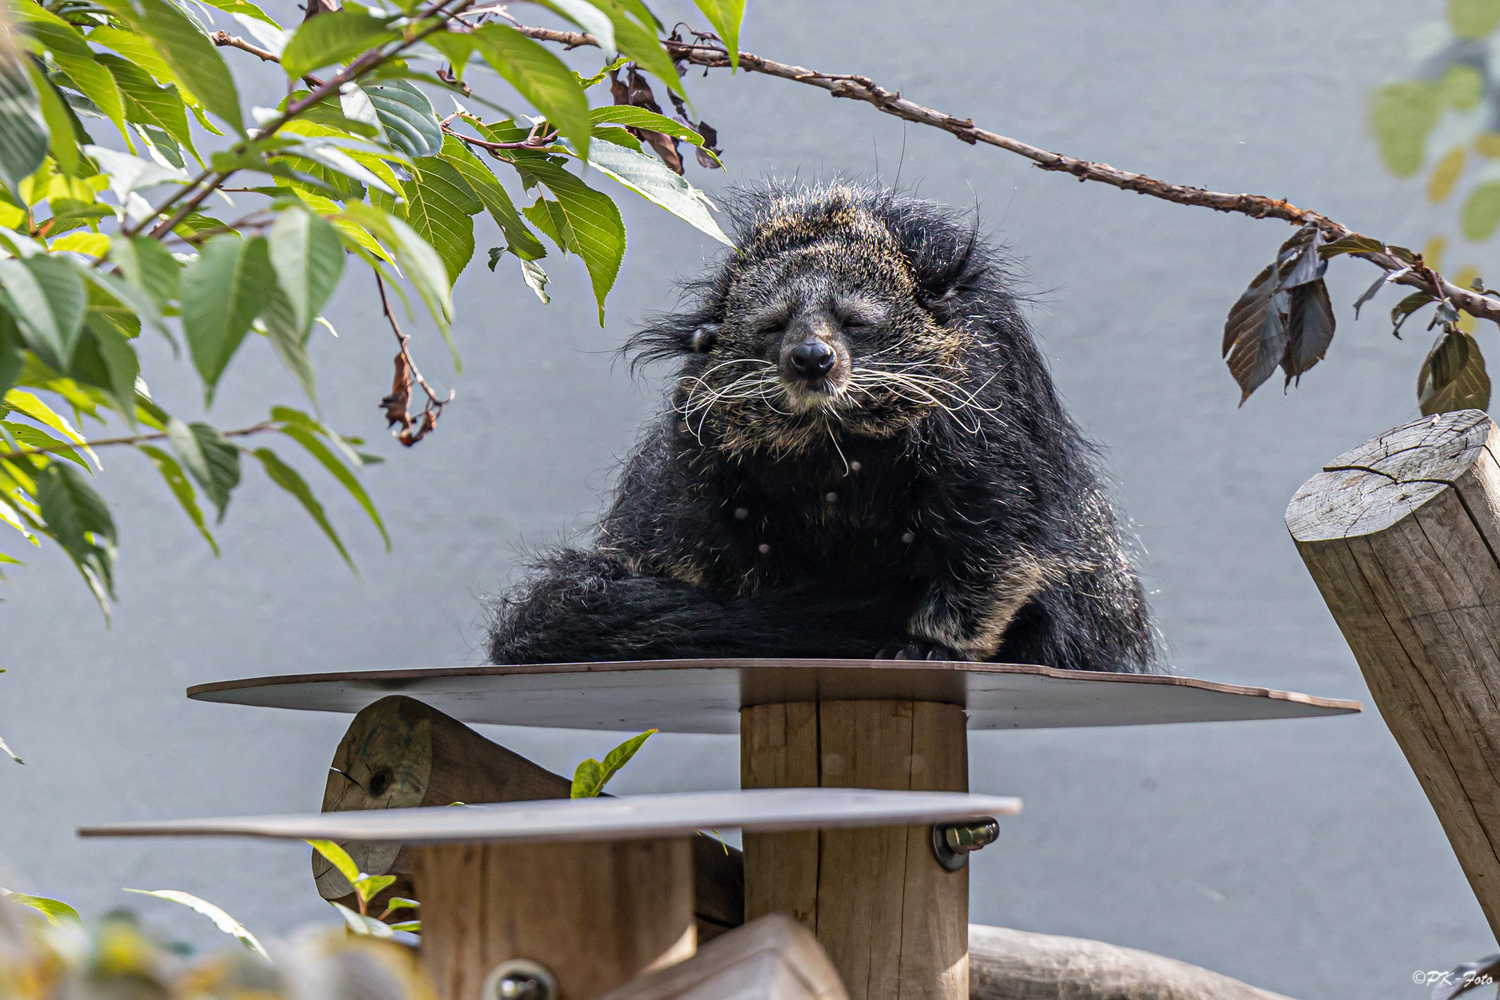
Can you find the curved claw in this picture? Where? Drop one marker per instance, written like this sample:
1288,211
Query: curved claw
917,649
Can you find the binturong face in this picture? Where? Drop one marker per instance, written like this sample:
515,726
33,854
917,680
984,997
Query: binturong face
818,337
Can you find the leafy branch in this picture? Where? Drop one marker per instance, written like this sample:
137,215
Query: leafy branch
1266,345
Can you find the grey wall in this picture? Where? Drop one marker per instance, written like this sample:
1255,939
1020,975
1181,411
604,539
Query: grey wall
1301,856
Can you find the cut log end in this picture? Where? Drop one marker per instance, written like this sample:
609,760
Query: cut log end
1369,488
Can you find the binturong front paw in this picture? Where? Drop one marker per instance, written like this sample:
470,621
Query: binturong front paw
912,648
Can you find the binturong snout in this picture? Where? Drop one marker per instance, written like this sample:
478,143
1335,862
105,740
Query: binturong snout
811,359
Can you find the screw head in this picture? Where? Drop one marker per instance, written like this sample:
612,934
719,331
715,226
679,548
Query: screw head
519,979
952,843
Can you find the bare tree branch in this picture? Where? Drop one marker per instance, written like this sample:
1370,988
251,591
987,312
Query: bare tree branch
862,88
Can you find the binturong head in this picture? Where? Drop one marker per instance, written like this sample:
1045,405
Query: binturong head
842,311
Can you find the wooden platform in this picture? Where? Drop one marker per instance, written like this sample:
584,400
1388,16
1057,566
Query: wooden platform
600,819
705,696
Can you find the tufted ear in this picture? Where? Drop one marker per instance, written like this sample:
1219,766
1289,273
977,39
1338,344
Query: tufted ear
670,337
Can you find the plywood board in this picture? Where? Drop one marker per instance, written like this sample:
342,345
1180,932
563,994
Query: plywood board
705,696
638,816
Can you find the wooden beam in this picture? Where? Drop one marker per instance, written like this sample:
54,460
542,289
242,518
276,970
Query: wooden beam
400,753
1401,536
773,958
892,919
1016,965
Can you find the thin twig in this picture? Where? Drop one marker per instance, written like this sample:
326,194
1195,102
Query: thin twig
397,405
536,140
133,439
862,88
235,42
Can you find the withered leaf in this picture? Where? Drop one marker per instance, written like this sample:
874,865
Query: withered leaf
1453,376
1310,326
1255,335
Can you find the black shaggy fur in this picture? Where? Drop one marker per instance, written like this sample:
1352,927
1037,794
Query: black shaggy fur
928,498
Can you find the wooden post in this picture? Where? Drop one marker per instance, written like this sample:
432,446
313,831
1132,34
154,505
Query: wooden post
1402,536
399,753
773,958
595,914
892,919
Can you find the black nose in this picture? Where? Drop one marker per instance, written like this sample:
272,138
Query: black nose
812,359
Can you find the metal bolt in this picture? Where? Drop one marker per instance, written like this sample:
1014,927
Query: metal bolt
952,843
519,979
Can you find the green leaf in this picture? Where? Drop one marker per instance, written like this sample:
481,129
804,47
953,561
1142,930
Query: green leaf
409,926
370,886
62,128
105,359
149,104
28,436
178,482
1462,86
540,77
339,858
23,131
588,224
422,264
1453,375
189,53
633,117
221,920
147,265
1481,211
286,477
591,776
396,903
222,293
289,342
301,428
643,46
308,258
1473,18
78,519
407,116
1401,116
48,300
588,17
439,204
725,16
520,240
55,910
334,37
209,458
359,923
71,51
653,180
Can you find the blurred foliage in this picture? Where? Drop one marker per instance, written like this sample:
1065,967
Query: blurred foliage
48,953
1443,125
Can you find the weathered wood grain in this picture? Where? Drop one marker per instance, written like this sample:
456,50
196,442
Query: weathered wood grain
893,921
595,914
1401,536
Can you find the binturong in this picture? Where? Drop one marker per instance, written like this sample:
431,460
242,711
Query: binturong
862,455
